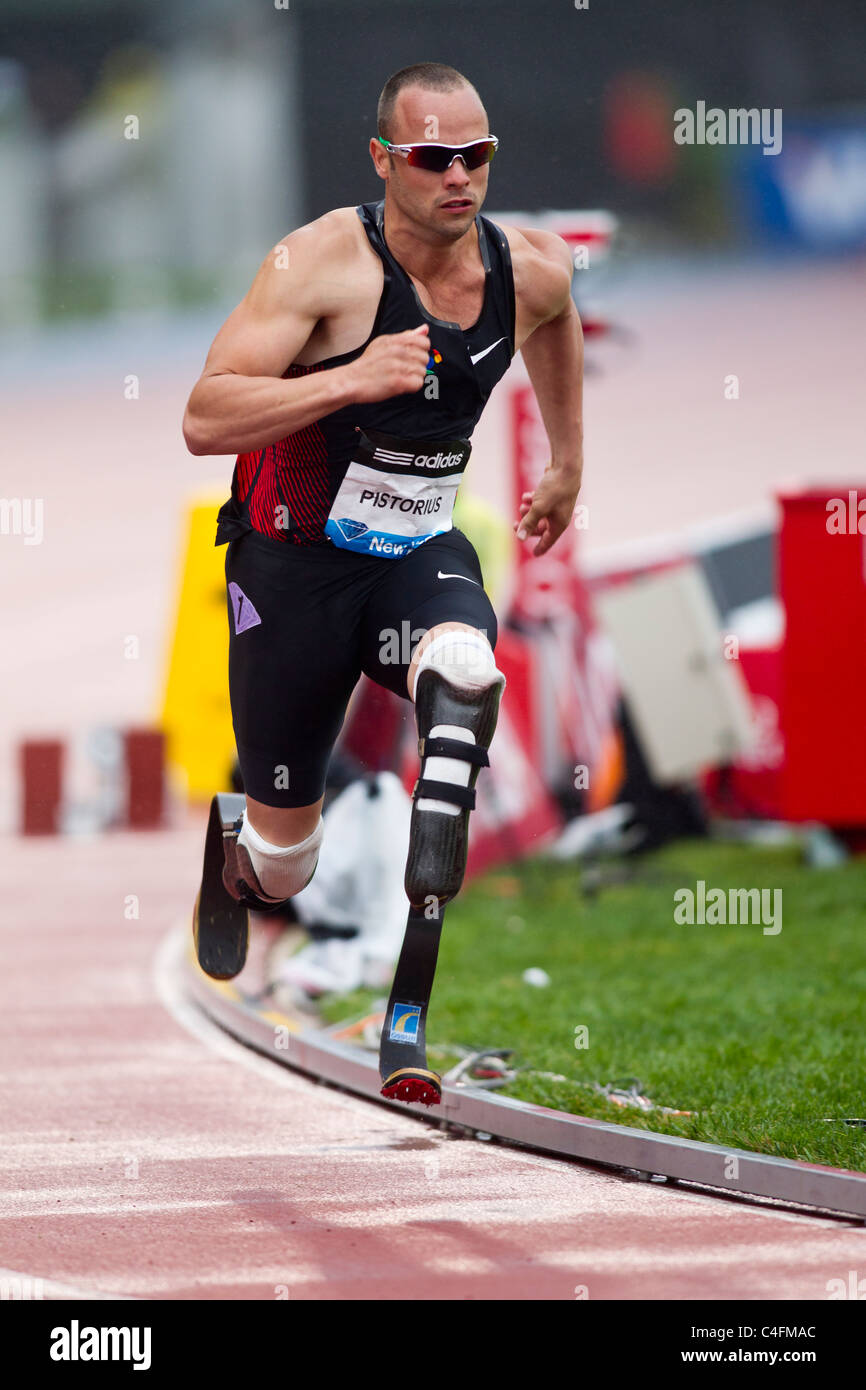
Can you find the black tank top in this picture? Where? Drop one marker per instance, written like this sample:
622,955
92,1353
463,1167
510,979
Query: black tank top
288,489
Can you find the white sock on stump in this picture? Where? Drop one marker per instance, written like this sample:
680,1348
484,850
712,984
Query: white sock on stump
282,870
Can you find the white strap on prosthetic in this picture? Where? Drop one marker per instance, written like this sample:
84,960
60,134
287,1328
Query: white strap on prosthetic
282,870
466,660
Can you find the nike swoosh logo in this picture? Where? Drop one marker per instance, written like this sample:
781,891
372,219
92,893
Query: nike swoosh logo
478,356
457,576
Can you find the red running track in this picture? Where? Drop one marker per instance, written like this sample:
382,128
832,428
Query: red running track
146,1155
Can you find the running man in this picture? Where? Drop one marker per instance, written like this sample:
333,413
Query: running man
348,382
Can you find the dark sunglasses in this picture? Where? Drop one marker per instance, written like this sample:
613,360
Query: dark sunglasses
438,158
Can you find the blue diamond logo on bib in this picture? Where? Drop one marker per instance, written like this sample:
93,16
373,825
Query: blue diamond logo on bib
350,529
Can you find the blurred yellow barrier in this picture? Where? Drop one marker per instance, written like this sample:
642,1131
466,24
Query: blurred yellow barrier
493,540
196,715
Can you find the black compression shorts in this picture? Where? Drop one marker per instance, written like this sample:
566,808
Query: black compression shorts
305,621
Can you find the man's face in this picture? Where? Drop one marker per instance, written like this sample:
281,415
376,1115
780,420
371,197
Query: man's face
442,204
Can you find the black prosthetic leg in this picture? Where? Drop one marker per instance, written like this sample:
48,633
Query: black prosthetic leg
220,921
220,925
403,1048
438,844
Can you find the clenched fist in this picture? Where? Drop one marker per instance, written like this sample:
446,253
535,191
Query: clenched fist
394,364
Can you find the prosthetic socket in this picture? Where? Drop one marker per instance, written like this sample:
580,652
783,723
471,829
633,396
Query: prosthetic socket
457,693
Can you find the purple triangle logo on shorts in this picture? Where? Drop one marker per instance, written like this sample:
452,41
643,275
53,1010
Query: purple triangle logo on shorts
244,613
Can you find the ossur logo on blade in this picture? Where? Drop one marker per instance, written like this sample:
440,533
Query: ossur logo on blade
404,1023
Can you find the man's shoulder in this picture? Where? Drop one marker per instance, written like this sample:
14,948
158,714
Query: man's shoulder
542,265
336,233
313,264
533,244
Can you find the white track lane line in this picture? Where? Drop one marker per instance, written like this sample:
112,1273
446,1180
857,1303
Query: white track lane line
53,1289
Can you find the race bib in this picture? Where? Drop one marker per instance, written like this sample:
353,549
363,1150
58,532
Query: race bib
396,493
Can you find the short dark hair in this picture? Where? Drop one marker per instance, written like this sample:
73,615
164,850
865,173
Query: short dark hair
438,77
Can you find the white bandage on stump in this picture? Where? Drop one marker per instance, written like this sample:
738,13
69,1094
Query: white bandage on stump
282,870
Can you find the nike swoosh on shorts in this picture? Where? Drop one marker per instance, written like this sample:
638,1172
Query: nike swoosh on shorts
456,576
478,356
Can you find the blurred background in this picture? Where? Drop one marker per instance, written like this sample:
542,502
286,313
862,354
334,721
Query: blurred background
150,157
256,120
685,668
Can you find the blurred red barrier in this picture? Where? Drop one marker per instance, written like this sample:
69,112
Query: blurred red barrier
41,768
145,772
822,585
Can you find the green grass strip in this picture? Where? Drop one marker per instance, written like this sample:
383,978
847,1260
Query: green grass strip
760,1035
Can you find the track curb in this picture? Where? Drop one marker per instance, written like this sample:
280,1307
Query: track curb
320,1055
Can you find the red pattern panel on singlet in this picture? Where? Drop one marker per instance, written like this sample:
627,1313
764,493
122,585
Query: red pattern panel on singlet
293,475
247,465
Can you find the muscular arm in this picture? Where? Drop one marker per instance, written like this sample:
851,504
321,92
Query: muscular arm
554,359
241,402
553,354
